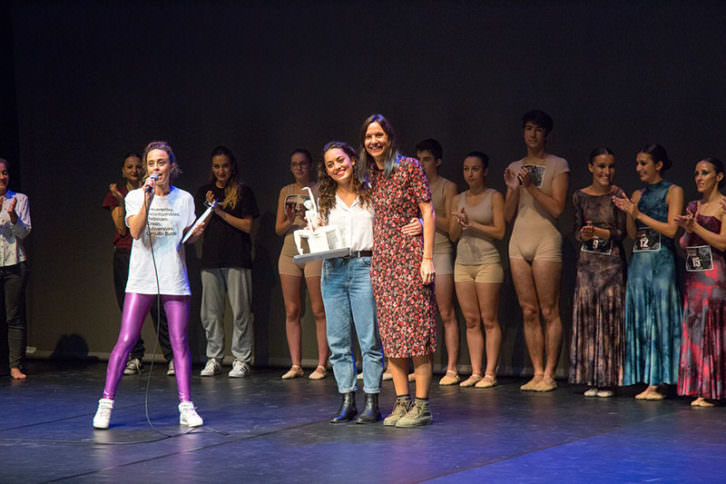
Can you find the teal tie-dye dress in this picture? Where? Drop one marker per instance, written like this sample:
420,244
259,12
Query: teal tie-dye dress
653,309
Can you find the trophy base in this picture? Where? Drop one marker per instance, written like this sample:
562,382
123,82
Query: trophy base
322,255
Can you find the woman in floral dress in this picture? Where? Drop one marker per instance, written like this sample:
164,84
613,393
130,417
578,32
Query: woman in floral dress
402,270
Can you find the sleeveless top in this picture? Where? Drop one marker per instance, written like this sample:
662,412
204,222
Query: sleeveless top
653,204
474,247
442,243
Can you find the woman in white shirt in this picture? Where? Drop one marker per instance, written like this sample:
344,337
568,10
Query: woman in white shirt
158,215
14,227
345,201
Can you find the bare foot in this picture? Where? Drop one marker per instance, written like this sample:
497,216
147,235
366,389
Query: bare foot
532,384
16,374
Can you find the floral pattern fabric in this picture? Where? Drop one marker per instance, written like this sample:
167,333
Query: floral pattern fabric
406,307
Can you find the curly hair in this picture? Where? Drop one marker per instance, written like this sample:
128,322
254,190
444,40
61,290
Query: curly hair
327,186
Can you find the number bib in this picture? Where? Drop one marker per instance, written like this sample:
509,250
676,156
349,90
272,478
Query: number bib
647,240
536,174
699,258
597,246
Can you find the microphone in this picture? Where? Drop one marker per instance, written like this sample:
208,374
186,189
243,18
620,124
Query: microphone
153,176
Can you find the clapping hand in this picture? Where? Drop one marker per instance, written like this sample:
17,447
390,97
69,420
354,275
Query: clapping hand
686,221
113,188
462,217
626,205
523,176
510,178
587,232
11,210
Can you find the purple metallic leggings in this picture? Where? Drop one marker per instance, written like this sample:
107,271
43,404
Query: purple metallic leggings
136,307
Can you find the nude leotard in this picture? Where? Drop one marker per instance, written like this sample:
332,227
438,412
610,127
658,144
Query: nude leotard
535,234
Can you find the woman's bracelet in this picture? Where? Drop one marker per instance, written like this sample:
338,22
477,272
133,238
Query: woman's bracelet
428,258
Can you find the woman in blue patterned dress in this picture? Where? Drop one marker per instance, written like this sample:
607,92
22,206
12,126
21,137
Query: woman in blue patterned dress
652,302
703,359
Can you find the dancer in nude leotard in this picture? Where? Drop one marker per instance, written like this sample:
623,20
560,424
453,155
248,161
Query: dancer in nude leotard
536,195
443,191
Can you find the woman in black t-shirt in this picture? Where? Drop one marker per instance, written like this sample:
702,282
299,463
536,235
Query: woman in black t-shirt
227,264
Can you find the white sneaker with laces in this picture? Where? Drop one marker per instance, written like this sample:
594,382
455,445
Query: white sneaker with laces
188,415
170,370
239,369
133,367
211,368
103,414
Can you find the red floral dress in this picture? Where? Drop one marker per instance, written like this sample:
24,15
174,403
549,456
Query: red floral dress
406,307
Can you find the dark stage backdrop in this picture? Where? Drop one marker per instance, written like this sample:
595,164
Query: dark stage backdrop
94,80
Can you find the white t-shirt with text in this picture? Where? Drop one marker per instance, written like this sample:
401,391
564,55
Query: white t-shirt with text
168,217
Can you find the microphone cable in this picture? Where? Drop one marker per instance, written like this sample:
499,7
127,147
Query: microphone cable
156,343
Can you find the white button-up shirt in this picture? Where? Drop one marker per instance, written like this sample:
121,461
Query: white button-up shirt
11,235
355,223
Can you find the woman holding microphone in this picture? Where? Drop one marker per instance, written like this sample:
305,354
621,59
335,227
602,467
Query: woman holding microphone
158,215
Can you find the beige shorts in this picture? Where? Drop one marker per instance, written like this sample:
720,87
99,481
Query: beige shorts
286,266
443,264
484,273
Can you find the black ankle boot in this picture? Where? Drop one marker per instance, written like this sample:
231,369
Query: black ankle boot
370,413
347,409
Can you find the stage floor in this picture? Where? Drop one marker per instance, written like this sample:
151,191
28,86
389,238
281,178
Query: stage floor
262,429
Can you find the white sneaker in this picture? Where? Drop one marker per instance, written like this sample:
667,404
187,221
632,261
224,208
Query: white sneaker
239,369
103,414
188,415
133,367
211,368
360,376
170,370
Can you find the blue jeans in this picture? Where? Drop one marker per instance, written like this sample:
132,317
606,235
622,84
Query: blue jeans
348,299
